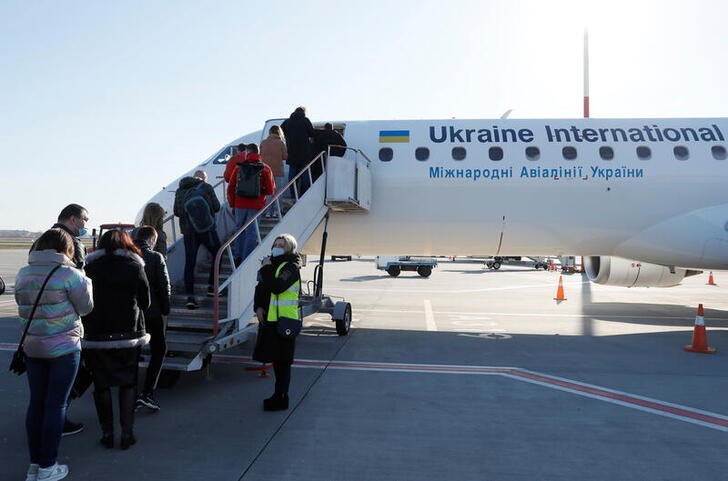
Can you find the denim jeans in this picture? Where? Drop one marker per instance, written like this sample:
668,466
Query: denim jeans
192,241
246,242
50,382
273,209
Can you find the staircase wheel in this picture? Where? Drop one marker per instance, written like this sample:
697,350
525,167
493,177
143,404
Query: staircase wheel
343,320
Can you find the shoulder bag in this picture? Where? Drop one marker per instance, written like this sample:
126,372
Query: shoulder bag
18,364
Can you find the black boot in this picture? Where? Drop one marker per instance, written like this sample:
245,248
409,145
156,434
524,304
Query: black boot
127,399
277,402
105,413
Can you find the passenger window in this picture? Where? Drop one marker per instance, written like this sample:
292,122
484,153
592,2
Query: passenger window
422,153
644,153
533,153
495,153
606,153
458,153
681,152
386,154
569,153
719,152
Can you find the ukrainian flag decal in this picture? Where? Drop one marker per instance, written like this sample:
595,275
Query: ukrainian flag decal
394,136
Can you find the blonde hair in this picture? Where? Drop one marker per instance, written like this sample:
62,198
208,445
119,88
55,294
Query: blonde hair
153,215
290,241
276,130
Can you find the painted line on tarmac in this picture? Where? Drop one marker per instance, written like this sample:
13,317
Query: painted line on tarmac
641,403
429,317
542,314
653,406
460,291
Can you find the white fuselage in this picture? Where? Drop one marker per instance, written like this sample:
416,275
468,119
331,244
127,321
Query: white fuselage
647,189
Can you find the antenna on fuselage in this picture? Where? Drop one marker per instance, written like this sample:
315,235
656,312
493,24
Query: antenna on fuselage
506,114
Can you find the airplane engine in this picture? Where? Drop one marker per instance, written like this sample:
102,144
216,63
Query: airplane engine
616,271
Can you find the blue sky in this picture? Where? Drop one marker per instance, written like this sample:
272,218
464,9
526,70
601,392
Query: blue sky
103,103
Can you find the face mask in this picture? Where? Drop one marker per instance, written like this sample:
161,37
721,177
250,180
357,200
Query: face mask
82,232
277,251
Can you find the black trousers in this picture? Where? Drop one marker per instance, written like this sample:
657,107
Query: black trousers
157,329
193,241
283,377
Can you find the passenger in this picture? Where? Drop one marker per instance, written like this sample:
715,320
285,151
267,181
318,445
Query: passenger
153,215
277,294
72,220
114,330
190,187
330,137
273,152
236,159
299,132
52,345
245,208
154,318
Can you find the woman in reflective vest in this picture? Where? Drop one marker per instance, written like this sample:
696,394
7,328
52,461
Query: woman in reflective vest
276,295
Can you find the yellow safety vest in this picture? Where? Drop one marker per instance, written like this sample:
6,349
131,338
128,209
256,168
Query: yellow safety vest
284,304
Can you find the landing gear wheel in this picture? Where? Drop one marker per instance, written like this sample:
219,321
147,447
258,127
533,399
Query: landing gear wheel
496,265
342,317
168,378
393,271
424,271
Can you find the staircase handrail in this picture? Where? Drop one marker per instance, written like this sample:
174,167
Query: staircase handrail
225,245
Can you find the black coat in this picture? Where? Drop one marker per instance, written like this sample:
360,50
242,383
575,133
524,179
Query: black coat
269,347
155,269
330,137
298,131
121,294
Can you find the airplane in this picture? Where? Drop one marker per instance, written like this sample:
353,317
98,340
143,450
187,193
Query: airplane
642,200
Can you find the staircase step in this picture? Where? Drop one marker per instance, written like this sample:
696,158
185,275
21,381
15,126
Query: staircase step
177,323
180,300
186,341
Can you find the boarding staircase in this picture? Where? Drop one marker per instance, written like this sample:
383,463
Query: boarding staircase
226,319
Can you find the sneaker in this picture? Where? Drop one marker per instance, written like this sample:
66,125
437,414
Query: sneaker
53,473
32,474
191,303
149,402
69,427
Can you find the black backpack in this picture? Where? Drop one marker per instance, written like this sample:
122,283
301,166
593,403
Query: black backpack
197,209
249,180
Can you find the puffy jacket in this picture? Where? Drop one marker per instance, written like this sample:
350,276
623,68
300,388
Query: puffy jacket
56,329
180,195
267,185
155,269
121,295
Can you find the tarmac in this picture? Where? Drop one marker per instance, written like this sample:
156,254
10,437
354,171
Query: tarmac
471,374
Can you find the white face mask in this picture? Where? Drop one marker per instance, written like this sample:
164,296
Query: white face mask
277,251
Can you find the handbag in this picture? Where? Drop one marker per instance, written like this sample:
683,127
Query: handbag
288,328
18,364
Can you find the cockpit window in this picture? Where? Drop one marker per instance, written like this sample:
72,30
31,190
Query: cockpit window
224,155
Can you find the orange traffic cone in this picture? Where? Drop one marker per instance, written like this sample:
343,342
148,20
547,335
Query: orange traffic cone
700,339
711,282
560,290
